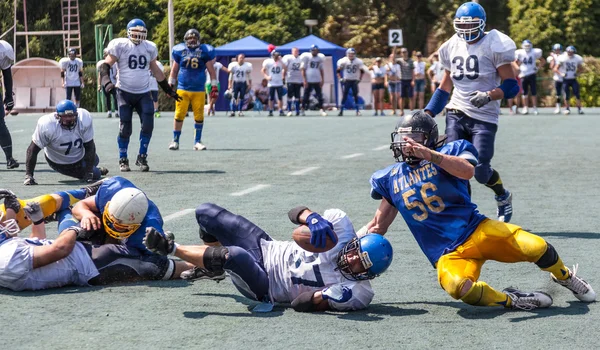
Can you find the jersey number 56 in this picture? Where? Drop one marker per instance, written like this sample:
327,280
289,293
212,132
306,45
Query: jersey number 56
426,203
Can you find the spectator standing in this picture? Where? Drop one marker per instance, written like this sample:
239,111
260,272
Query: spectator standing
393,81
378,74
407,80
419,80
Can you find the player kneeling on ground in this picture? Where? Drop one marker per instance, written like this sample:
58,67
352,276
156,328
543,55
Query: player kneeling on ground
67,138
272,271
430,188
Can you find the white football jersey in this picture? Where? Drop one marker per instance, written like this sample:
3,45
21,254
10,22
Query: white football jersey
240,74
113,71
569,65
473,67
293,64
293,271
352,68
72,69
527,61
153,83
553,59
218,67
438,71
17,272
378,72
60,145
313,66
7,55
274,69
133,62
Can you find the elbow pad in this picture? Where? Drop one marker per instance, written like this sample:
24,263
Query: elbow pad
294,214
438,101
510,87
80,73
105,74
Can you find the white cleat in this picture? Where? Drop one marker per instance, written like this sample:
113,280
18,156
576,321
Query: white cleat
174,146
557,110
527,301
240,114
514,109
535,111
289,114
323,113
525,110
567,112
302,113
580,288
199,147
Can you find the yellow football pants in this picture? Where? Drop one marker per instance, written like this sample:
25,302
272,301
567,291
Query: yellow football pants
196,98
47,202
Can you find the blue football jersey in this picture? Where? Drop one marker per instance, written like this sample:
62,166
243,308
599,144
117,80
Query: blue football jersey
153,218
436,206
192,66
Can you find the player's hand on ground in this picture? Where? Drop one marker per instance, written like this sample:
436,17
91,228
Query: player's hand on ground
29,181
34,212
320,229
157,243
415,149
90,222
480,98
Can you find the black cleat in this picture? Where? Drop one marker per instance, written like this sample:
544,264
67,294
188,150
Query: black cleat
124,165
198,273
92,189
11,163
142,162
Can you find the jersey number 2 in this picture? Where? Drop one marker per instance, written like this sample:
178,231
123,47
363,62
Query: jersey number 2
427,202
77,144
318,279
471,65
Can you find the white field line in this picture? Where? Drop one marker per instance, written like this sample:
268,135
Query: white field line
249,190
17,131
305,170
353,155
381,148
177,214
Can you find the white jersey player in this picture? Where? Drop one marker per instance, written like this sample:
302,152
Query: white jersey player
274,70
293,63
313,75
569,67
7,58
527,58
475,64
350,71
273,271
557,77
240,81
71,71
218,66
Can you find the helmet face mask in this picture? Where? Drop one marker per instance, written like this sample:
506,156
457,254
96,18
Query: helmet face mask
421,128
469,21
66,114
72,54
364,258
351,53
526,45
192,38
314,50
115,229
125,212
136,31
571,50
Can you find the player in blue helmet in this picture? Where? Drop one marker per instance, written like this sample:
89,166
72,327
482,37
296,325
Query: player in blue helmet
569,66
558,79
134,56
272,271
429,187
475,73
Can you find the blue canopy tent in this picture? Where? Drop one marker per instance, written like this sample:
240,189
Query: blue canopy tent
325,47
250,46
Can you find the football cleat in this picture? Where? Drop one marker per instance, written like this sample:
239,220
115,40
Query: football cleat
29,181
199,146
103,170
142,162
580,288
557,110
174,146
289,114
358,113
198,273
270,113
580,111
92,189
525,110
124,165
240,114
504,203
535,111
527,301
341,114
232,114
304,113
281,114
108,114
11,163
567,111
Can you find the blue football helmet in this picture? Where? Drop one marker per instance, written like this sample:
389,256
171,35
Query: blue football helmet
351,53
66,114
136,31
371,254
571,50
556,47
314,49
526,45
469,21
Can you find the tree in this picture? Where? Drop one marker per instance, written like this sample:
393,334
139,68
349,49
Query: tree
581,23
540,23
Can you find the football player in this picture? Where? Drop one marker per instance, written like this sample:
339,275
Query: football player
569,67
475,62
429,186
134,56
527,58
353,69
190,62
558,78
71,72
293,64
7,58
274,70
313,75
208,85
240,81
110,98
67,138
272,271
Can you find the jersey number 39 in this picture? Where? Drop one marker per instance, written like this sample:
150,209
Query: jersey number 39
470,65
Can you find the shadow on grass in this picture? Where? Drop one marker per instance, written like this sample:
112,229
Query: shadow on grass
584,235
277,310
376,312
169,172
81,289
239,150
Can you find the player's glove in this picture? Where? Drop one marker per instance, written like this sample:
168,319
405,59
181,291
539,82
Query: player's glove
34,212
157,243
29,181
9,103
480,98
320,229
337,293
10,200
169,90
214,92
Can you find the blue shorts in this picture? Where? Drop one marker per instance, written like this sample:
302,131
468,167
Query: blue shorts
273,90
420,85
529,82
574,85
393,87
239,90
406,89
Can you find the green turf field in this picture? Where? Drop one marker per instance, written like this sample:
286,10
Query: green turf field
549,162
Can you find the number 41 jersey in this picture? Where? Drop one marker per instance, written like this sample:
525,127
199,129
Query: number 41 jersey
293,271
133,62
473,68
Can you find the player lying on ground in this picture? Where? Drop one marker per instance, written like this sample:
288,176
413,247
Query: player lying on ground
429,187
67,138
264,269
38,263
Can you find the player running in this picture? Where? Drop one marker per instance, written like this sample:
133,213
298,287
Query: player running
558,79
273,271
190,61
7,58
430,188
527,58
134,56
569,67
67,138
353,69
313,75
475,63
294,80
240,81
274,70
71,72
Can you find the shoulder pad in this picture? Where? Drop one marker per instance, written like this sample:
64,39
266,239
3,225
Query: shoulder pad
455,148
501,42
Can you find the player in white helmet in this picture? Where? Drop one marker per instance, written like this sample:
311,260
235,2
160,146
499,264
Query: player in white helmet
558,79
240,81
274,70
313,75
353,69
293,63
527,58
71,72
569,66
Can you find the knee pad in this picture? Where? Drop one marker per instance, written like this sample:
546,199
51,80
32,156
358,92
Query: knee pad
453,285
125,129
147,126
207,237
483,172
549,258
214,258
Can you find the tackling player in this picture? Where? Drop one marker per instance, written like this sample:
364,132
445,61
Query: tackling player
274,70
475,62
7,58
557,77
240,81
67,138
190,61
294,79
527,58
430,188
134,56
569,67
71,72
272,271
353,68
313,75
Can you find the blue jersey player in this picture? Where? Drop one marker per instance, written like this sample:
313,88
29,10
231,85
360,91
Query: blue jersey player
429,187
191,60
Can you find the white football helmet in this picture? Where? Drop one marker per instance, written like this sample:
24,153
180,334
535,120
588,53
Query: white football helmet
124,213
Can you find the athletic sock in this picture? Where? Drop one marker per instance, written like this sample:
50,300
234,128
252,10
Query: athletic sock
558,270
289,103
495,183
241,105
123,146
481,294
176,135
198,132
297,106
144,143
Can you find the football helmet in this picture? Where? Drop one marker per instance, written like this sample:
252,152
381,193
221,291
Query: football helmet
8,228
124,213
228,94
526,45
557,47
365,258
72,53
66,114
275,54
469,21
420,127
192,38
571,50
314,49
136,31
351,53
